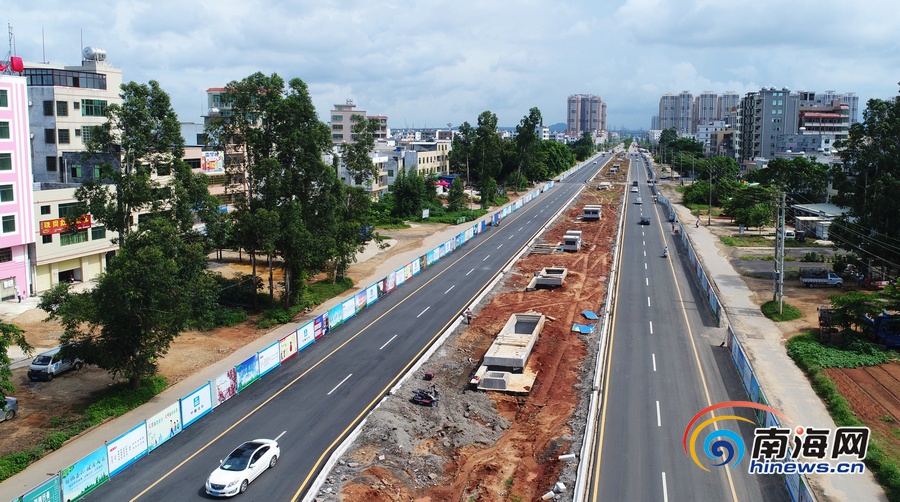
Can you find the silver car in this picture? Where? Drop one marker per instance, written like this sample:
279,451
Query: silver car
9,408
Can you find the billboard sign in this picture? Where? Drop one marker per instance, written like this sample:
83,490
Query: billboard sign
247,372
196,404
269,358
163,426
126,449
80,478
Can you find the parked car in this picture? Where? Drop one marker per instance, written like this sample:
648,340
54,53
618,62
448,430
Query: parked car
50,364
9,409
242,466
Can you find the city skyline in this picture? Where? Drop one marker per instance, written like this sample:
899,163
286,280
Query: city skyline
426,66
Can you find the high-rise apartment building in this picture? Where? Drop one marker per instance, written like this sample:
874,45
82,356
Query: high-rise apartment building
766,115
704,109
676,112
726,104
667,105
585,113
17,230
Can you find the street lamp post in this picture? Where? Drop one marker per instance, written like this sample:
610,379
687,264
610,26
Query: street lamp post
709,208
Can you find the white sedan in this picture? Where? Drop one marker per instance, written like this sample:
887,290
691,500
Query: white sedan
242,466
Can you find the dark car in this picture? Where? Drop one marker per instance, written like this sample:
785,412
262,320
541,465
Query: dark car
644,220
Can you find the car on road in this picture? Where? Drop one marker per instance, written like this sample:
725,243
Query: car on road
50,364
634,189
644,220
242,466
638,200
8,408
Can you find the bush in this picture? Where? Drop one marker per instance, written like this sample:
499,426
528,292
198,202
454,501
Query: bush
788,312
810,354
813,257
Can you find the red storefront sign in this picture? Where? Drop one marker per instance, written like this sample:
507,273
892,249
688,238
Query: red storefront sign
58,226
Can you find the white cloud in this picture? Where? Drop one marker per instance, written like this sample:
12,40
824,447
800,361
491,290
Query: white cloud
433,63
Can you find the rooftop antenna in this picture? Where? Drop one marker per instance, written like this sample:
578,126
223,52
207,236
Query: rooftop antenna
81,33
43,45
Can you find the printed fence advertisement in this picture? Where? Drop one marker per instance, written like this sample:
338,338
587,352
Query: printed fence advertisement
371,294
247,372
400,276
407,270
305,336
196,404
381,287
320,326
429,258
83,476
416,266
126,449
269,358
336,316
360,301
48,491
349,308
225,387
163,426
389,282
287,346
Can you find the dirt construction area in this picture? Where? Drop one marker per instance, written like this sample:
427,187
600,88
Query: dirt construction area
494,446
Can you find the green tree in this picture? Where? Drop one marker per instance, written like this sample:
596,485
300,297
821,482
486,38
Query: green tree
141,136
356,154
461,150
153,287
10,335
869,183
559,157
456,197
758,215
804,179
667,136
583,147
486,148
526,143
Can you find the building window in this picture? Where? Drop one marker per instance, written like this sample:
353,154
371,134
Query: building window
76,105
93,107
51,163
4,99
391,173
50,136
47,239
337,118
5,161
48,108
76,170
74,238
98,233
71,210
193,163
62,108
63,136
87,134
45,209
6,193
98,173
5,255
164,169
4,130
77,133
337,127
9,224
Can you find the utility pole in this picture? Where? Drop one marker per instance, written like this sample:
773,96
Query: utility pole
779,251
709,207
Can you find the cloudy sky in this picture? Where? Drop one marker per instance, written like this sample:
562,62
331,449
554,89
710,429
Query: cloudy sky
427,63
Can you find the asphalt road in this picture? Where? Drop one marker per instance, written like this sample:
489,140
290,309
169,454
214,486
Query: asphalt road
320,395
664,366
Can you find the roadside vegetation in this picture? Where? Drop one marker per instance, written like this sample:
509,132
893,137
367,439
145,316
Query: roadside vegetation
113,402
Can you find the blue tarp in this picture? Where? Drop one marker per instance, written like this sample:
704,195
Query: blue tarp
584,329
590,315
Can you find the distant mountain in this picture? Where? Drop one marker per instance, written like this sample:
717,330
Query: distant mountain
559,127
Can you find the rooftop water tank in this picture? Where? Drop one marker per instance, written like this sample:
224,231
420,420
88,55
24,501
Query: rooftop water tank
94,54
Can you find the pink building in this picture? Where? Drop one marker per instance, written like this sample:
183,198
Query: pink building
17,229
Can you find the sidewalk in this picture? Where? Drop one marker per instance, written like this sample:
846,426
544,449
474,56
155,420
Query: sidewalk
89,441
785,385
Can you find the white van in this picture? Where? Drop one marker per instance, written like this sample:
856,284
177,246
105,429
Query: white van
49,364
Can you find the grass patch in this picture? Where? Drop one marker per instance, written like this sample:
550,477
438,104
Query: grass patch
802,349
788,312
113,402
392,226
812,355
747,241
